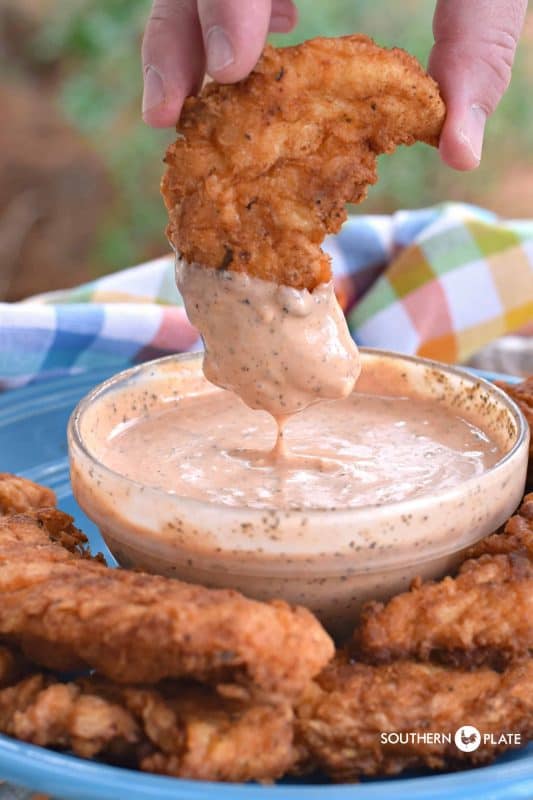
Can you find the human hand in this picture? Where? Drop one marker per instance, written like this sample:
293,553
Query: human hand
186,38
475,43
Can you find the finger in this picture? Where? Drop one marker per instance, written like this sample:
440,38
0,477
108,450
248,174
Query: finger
173,60
471,60
283,16
234,35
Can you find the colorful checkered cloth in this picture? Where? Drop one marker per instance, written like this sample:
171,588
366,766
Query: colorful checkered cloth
439,282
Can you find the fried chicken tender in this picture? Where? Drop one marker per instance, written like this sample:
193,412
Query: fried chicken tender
522,394
482,616
19,494
516,537
52,527
262,169
349,706
67,612
45,712
189,731
220,739
180,729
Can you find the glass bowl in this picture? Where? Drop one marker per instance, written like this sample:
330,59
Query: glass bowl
329,561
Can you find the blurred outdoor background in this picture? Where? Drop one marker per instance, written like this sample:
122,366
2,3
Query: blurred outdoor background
79,171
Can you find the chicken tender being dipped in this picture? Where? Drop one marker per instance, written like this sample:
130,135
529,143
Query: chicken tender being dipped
259,174
262,169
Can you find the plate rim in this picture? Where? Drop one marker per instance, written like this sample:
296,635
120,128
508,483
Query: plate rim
67,770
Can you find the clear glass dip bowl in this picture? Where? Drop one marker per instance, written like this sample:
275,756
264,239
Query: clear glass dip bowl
330,561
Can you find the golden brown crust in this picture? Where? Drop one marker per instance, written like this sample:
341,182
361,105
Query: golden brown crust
262,169
482,616
61,607
45,712
222,739
180,729
516,536
351,705
20,494
66,612
189,731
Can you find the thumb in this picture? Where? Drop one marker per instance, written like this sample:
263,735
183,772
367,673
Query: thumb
234,35
475,43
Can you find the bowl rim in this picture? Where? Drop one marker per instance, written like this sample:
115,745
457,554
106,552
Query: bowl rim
522,439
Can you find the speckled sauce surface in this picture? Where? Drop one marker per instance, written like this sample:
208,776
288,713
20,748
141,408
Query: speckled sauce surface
331,561
362,450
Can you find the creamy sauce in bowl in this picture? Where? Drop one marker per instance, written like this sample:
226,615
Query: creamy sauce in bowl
358,451
237,520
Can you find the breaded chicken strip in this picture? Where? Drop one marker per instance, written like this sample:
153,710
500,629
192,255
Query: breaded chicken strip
522,394
19,494
350,706
42,711
60,529
189,731
262,169
179,729
220,739
482,616
516,537
66,612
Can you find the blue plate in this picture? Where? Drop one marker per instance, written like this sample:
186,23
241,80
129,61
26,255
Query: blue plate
33,443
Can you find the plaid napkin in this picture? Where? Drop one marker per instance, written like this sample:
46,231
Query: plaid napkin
440,282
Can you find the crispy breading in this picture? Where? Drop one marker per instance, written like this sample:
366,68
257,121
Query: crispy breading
179,729
60,529
482,616
51,527
262,169
67,612
221,738
189,731
350,706
522,394
45,712
516,536
19,494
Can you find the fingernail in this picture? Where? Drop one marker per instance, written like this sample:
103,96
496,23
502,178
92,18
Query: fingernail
219,50
472,130
154,91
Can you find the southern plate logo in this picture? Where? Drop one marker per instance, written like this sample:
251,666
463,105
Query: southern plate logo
467,738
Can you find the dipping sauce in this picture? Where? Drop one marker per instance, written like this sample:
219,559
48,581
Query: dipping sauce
363,450
279,349
282,350
236,522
